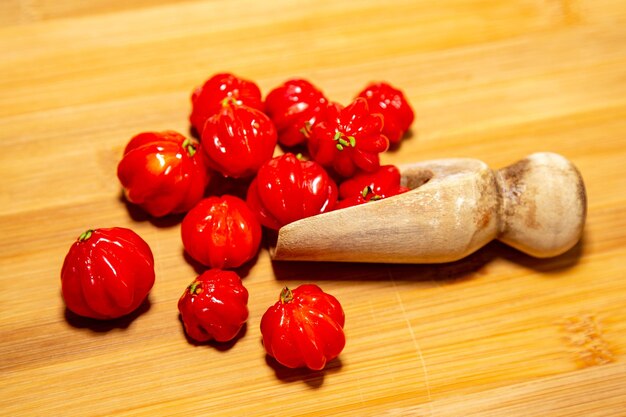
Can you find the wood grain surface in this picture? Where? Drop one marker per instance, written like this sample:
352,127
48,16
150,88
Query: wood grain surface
497,334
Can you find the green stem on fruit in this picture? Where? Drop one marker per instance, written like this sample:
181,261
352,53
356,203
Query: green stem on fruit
229,101
195,288
286,295
190,147
85,235
344,141
368,192
306,130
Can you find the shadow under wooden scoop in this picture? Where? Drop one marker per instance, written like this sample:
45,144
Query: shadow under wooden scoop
455,206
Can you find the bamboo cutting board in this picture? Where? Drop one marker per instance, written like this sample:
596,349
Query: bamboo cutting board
496,334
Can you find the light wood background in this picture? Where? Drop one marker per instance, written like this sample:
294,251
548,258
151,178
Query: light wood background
498,333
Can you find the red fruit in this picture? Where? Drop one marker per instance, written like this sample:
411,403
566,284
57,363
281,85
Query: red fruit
238,140
287,189
163,172
214,306
304,328
107,273
295,107
207,100
370,187
349,139
221,232
394,107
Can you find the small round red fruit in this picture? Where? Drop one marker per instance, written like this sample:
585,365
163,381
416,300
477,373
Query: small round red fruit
238,140
394,107
221,232
214,306
207,99
287,189
365,187
295,107
304,328
107,273
163,172
348,139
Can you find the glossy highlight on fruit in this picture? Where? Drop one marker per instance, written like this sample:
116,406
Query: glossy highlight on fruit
107,273
349,139
163,172
207,99
304,328
238,140
214,306
221,232
287,189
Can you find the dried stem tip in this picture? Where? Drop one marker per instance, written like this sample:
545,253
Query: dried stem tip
286,295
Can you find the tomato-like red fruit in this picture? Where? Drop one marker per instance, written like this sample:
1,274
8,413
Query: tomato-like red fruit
214,306
163,172
221,232
361,188
107,273
393,105
295,107
238,140
287,189
349,139
207,99
304,328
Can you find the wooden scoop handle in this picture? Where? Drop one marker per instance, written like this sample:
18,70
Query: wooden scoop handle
543,206
454,207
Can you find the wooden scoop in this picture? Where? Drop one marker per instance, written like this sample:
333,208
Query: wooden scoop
537,205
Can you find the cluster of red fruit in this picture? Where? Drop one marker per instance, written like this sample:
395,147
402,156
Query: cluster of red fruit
109,272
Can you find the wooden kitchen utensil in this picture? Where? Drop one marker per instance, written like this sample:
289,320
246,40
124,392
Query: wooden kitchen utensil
455,206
